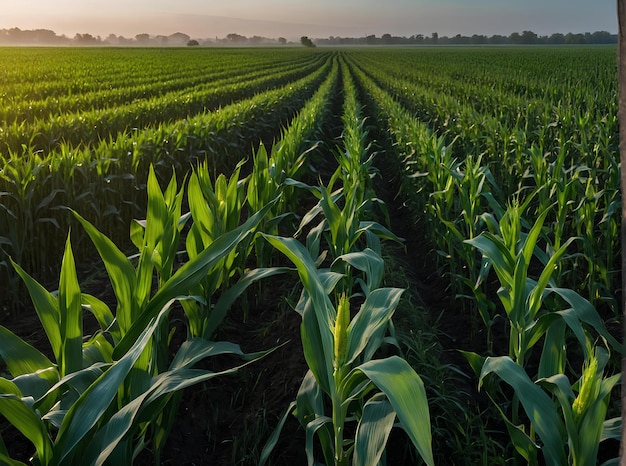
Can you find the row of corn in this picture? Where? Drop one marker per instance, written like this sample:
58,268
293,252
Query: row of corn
560,354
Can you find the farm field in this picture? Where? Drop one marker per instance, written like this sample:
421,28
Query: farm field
286,255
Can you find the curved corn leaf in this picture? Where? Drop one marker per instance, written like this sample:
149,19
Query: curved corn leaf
47,308
318,315
405,391
120,270
538,406
22,358
368,262
111,434
25,419
371,321
228,296
372,432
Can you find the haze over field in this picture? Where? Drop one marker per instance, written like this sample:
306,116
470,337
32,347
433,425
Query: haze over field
322,18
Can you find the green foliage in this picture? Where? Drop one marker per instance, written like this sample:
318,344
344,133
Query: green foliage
112,393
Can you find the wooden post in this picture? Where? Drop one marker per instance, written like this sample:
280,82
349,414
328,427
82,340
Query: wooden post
621,76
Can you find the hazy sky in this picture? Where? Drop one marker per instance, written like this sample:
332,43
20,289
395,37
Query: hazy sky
319,18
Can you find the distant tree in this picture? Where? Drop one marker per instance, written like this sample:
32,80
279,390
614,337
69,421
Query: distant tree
162,40
556,38
143,39
601,37
497,39
304,40
193,43
178,38
435,38
575,39
236,38
478,39
515,38
529,37
282,41
87,39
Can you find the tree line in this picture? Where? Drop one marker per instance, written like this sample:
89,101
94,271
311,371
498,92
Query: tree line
16,36
515,38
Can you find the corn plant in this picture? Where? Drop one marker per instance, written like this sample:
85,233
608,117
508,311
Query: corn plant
119,390
537,311
570,426
510,252
339,350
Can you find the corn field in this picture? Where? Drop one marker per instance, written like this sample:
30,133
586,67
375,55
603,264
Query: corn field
203,185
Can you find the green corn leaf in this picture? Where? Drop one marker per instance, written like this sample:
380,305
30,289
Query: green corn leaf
534,300
147,404
378,230
371,320
121,274
189,276
22,358
372,432
405,391
103,315
6,460
273,439
518,312
47,308
71,315
156,215
323,427
196,349
200,210
523,444
495,250
553,354
587,313
25,419
538,406
317,345
319,314
368,262
612,429
530,241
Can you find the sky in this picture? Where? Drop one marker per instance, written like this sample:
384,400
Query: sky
316,19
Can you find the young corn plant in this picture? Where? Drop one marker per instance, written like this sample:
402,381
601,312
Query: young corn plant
216,210
510,251
339,349
569,425
343,224
538,311
111,394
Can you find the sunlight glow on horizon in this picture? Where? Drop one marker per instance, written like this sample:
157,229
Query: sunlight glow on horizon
273,18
